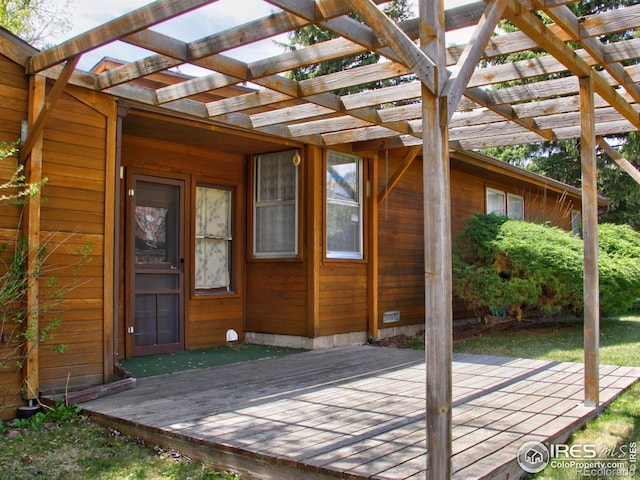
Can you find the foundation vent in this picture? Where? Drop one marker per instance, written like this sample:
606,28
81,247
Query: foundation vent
391,316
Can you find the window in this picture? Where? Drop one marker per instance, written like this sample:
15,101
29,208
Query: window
576,223
275,225
515,206
505,204
213,239
344,206
495,202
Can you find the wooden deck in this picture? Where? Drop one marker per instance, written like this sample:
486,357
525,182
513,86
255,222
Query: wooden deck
356,412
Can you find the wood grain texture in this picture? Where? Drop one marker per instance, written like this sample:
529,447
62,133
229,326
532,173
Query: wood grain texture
356,413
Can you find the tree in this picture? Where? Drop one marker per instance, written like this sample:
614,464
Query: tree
560,159
35,20
397,10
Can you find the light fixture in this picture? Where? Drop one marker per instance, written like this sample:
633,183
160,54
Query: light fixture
296,159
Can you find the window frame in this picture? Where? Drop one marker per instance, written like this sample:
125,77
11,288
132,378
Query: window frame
512,196
257,204
494,191
576,230
337,254
231,239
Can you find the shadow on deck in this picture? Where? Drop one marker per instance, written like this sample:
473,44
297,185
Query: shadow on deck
356,412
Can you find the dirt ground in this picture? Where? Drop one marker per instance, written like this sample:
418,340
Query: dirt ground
461,332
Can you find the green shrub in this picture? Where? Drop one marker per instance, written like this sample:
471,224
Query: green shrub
619,262
505,266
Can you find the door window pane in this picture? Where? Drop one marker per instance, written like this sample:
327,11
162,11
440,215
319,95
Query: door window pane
344,206
213,239
168,325
275,229
156,224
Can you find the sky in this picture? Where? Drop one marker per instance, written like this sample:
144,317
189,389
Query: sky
223,14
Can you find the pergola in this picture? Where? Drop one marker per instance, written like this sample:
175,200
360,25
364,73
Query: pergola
451,105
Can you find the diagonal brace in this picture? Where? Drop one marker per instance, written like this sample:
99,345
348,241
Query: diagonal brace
52,98
400,43
625,164
472,53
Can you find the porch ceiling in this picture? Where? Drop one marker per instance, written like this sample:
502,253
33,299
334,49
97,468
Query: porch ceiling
202,136
311,111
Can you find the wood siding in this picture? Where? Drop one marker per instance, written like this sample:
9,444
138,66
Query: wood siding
343,297
72,219
400,217
401,248
277,297
14,91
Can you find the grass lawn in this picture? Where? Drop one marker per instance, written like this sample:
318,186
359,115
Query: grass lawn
78,449
562,340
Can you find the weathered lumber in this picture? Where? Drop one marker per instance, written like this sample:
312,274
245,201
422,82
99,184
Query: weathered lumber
100,391
590,238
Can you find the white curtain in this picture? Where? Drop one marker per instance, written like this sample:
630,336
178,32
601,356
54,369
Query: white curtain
213,237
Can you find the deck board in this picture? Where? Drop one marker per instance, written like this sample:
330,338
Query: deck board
357,412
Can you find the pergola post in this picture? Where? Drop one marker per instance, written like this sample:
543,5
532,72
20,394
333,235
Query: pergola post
31,231
590,237
437,238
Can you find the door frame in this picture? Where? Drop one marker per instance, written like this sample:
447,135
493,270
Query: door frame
182,182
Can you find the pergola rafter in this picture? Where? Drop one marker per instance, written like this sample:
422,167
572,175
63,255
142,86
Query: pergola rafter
296,98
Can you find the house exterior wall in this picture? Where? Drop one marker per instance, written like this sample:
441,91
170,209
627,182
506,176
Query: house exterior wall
401,244
207,317
14,91
309,296
401,236
75,163
278,290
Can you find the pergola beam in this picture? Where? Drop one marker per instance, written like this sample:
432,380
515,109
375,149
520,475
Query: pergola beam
132,22
397,176
546,39
565,18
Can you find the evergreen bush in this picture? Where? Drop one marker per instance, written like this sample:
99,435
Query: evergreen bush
503,266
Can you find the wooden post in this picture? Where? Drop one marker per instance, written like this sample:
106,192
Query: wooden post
112,182
590,237
437,238
373,253
31,231
315,176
